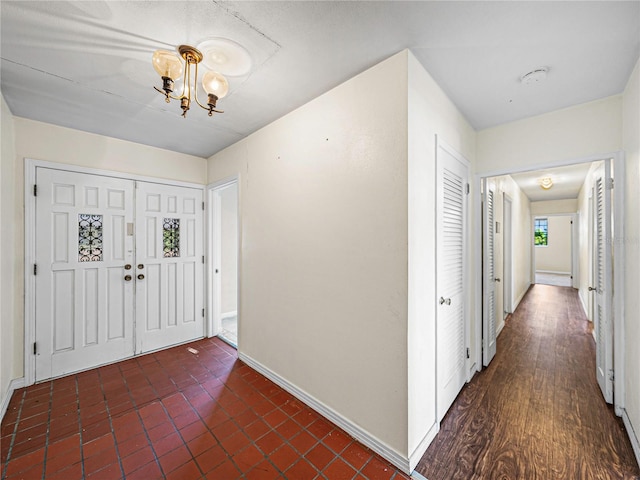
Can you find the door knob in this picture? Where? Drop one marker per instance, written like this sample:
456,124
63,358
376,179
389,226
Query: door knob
140,277
445,301
140,266
127,266
127,278
497,279
593,289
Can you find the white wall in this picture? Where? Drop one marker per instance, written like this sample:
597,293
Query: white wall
323,280
430,113
9,328
520,243
568,134
42,141
229,240
556,256
631,141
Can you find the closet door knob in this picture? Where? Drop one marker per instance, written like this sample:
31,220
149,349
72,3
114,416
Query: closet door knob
140,277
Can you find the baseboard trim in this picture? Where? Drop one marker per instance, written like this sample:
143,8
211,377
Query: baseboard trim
14,385
415,457
519,299
347,425
631,434
418,476
500,327
554,272
584,306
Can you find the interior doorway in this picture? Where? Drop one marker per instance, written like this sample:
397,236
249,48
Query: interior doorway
507,295
225,261
580,208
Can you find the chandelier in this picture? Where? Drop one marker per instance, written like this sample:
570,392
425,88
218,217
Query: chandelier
170,68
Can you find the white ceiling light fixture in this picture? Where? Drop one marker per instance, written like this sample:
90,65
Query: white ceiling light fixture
545,183
535,76
219,55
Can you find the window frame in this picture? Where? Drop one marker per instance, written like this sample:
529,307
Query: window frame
546,231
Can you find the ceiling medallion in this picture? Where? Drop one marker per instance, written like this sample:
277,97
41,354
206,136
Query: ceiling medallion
218,55
534,76
545,183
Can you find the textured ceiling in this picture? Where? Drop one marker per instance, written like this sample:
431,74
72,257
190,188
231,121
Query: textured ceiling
86,65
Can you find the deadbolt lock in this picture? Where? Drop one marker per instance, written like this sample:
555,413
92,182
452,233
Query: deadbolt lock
127,267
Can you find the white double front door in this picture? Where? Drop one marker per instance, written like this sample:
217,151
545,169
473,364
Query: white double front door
118,269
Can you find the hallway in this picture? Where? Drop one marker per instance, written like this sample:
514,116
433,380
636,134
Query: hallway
536,412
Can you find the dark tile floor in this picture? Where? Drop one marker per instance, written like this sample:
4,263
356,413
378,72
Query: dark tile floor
176,415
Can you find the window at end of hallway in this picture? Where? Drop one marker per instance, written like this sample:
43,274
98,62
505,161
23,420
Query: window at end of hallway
541,232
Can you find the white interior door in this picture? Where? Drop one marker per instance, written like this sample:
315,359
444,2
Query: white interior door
169,266
84,302
489,278
119,269
603,292
452,185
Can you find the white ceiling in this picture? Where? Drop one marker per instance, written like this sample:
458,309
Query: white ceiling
567,182
86,65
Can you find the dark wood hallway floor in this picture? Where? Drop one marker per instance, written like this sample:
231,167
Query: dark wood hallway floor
536,412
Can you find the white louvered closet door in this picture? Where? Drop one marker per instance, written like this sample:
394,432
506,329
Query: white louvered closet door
489,278
452,184
603,294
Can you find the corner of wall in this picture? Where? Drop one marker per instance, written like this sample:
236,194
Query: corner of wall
7,256
631,146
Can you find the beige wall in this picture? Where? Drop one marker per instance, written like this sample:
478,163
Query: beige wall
338,236
556,256
631,140
323,280
9,295
568,134
42,141
430,113
548,207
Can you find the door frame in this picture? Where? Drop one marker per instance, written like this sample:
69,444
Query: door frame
618,161
440,144
507,255
573,241
213,320
30,166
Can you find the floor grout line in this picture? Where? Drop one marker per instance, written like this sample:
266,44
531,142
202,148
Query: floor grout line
238,394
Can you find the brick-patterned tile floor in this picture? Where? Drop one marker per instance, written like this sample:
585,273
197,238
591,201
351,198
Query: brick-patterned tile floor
175,414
